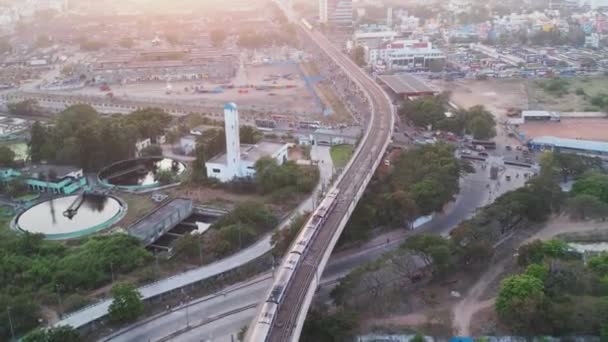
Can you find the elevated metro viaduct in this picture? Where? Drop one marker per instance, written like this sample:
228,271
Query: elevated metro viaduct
288,320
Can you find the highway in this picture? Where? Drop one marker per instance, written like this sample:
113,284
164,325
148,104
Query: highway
288,320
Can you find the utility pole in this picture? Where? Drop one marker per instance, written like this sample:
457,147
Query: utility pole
57,291
112,270
10,321
200,250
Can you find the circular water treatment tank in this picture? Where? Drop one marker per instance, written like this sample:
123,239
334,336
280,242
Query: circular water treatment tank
71,216
140,173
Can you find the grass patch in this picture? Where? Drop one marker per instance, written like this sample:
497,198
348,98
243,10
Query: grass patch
27,197
340,155
139,205
572,94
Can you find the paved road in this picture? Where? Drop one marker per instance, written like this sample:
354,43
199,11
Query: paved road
99,310
205,310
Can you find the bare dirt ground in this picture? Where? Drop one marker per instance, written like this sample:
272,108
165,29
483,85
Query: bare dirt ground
589,129
562,224
211,195
496,95
298,99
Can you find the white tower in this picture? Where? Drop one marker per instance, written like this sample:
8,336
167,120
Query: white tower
389,17
233,142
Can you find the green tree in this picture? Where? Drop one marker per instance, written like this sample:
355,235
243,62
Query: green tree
418,338
599,264
172,38
480,123
322,326
594,184
587,206
126,42
5,45
249,135
520,300
435,250
126,303
24,108
153,150
53,334
38,139
281,239
424,111
199,171
7,156
43,41
218,37
358,55
165,177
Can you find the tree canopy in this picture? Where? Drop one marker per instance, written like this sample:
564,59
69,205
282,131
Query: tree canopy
421,181
126,303
218,37
430,111
80,136
34,271
53,334
7,156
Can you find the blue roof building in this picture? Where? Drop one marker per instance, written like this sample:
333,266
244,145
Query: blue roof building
56,179
585,147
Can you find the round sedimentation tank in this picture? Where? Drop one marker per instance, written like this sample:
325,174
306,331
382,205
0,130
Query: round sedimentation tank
140,173
71,217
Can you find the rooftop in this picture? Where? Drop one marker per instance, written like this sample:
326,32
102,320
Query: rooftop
141,228
34,171
252,153
575,144
406,84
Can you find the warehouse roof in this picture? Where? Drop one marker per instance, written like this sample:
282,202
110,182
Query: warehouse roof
575,144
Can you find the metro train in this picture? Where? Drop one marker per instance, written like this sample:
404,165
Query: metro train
290,263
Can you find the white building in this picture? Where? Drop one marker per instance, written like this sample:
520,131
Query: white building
592,40
374,32
459,6
239,160
402,54
141,144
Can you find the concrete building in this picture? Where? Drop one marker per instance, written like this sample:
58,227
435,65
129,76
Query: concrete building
404,54
151,227
239,160
338,13
374,32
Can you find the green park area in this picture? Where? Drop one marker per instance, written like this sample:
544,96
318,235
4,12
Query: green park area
580,94
340,155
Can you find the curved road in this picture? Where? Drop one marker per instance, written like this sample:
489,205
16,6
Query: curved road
472,195
296,300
